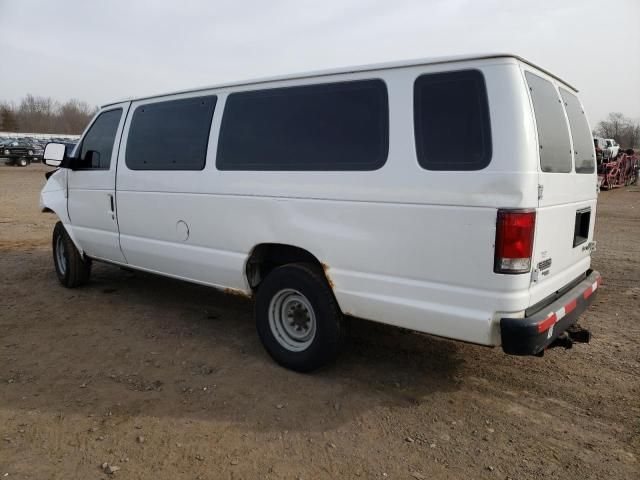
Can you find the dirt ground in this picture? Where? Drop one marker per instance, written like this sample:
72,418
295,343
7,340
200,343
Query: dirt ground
168,380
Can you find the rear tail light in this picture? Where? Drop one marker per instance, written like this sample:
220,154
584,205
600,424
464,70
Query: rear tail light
514,241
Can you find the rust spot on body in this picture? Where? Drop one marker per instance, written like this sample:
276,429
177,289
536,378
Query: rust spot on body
326,267
237,292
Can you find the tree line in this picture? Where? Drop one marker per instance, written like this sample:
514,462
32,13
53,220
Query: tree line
44,115
622,129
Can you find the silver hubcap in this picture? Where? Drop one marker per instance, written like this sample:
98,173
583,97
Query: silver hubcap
61,256
292,320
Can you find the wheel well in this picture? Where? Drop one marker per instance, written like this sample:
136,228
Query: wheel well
267,256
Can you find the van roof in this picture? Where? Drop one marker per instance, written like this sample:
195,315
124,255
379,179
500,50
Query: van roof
355,69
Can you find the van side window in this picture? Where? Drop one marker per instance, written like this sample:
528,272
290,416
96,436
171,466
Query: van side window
451,121
553,134
333,126
171,135
97,144
580,133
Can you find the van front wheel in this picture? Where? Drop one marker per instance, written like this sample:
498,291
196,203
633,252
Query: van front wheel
297,317
72,270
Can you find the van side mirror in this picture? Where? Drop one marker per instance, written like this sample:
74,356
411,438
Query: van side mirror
53,154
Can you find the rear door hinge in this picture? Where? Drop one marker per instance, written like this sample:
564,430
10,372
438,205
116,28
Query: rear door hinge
540,191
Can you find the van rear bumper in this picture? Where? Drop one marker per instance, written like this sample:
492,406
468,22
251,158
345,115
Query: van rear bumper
531,335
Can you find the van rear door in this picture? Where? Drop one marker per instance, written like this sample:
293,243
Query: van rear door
567,187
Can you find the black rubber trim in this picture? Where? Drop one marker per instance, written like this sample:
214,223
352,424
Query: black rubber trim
555,295
520,336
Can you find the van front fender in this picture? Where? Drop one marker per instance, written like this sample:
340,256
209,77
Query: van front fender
53,199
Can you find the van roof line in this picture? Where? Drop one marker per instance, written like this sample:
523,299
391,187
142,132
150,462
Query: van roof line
355,69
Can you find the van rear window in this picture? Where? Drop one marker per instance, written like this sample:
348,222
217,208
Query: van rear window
171,135
333,126
451,121
580,133
553,134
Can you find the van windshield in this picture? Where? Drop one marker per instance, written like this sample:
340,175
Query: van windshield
580,133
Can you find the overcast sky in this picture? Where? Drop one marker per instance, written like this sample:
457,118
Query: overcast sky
99,51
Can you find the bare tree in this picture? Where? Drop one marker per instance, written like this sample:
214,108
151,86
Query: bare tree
622,129
8,120
74,116
44,115
37,114
634,135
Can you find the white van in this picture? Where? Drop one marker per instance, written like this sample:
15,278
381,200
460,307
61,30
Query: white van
455,197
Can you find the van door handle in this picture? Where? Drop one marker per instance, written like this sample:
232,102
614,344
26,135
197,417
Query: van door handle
112,210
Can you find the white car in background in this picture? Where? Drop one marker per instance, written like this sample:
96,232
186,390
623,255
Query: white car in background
612,148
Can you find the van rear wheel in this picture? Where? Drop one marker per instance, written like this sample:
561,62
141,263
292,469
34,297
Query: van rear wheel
72,270
298,318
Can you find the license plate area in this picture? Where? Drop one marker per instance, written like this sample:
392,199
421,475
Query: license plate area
581,229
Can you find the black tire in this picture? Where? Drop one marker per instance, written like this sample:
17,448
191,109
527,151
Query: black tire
72,270
329,330
22,162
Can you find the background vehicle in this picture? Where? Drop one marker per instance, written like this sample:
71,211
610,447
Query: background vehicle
22,152
602,152
326,195
69,146
619,171
612,147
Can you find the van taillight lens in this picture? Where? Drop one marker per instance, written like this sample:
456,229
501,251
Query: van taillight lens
514,241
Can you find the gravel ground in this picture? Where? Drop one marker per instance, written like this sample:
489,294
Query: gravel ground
147,377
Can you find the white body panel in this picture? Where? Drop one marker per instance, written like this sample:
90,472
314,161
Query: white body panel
401,245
